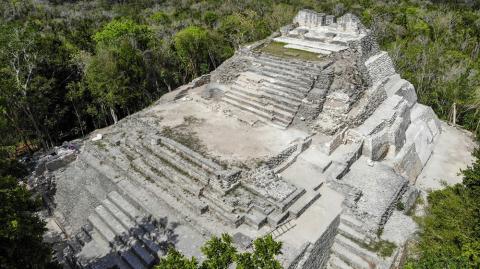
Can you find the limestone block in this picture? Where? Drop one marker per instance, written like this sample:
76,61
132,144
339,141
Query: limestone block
376,146
379,67
424,113
407,91
407,163
423,141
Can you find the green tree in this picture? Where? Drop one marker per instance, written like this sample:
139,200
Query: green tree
21,230
175,260
219,252
263,256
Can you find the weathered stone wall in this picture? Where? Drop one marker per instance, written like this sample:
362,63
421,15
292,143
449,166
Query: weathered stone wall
316,254
379,67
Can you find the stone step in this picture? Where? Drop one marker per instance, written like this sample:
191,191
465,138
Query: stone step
265,76
294,76
282,100
119,214
285,68
132,260
120,263
350,258
351,233
295,84
351,221
303,203
177,189
293,92
179,163
255,219
357,249
336,263
152,247
143,253
287,117
191,155
309,49
114,225
160,170
264,100
127,208
101,228
273,89
261,114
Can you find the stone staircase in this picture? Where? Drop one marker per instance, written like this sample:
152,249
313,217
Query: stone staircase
129,235
348,250
273,88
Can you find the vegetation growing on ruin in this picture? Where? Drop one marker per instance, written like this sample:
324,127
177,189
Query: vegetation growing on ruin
278,49
221,254
450,230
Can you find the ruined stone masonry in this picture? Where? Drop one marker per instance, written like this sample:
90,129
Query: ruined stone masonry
316,152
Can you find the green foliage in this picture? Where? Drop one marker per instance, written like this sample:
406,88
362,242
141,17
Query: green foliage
21,231
263,256
122,29
160,17
221,254
450,236
175,260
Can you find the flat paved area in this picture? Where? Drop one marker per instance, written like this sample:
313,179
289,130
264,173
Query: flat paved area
225,136
452,153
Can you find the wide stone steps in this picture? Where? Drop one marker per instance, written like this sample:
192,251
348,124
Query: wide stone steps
160,169
350,258
287,68
357,249
281,101
273,89
294,76
178,187
194,157
180,164
267,113
142,172
337,263
349,232
263,115
101,228
304,66
351,221
263,101
294,84
113,224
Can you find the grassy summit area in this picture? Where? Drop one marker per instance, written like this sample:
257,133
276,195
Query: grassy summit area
278,49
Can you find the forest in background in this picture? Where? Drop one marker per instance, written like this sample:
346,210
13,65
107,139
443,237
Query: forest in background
69,67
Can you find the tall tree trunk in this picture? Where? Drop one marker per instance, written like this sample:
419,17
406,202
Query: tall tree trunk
114,116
